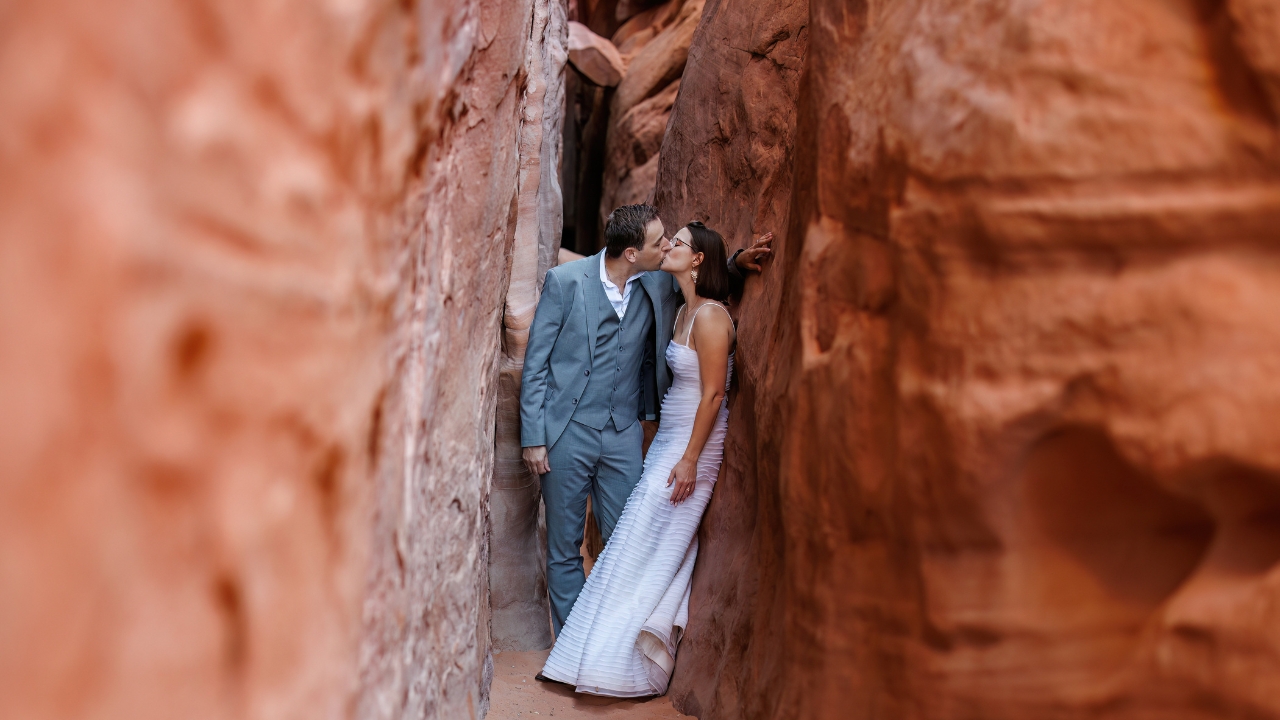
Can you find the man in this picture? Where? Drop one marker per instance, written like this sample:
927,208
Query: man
594,366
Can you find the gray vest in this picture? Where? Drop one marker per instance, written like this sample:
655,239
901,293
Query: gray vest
613,385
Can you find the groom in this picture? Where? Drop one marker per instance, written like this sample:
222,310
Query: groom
594,366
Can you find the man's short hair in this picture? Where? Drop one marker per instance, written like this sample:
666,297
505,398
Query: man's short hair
625,226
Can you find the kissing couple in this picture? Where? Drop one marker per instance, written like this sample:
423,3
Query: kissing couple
611,336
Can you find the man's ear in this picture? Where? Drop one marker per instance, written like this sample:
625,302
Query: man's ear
630,253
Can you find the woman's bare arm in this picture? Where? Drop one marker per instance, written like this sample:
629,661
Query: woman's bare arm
712,339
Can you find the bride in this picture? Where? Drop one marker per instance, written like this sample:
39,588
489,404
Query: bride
620,639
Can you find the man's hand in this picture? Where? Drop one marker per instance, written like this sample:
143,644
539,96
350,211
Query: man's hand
749,259
535,458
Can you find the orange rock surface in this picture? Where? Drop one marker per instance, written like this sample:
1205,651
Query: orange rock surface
1002,442
728,159
520,615
594,56
252,280
655,44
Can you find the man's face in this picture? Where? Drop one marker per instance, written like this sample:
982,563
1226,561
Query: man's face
655,248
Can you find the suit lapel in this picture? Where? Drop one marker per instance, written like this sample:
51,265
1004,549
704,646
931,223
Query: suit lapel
655,297
592,290
653,288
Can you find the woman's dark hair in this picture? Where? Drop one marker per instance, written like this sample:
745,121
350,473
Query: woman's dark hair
713,275
625,226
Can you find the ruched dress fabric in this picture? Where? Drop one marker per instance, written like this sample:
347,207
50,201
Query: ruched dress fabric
621,636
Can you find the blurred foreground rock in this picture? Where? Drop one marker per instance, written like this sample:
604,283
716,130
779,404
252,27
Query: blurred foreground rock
1002,444
252,280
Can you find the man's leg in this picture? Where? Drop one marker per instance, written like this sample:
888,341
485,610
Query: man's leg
573,462
621,462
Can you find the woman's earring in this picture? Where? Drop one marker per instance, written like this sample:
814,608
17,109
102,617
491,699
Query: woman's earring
693,275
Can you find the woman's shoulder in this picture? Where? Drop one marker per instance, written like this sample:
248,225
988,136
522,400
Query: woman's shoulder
712,318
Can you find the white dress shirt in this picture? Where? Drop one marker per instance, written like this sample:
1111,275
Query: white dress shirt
618,300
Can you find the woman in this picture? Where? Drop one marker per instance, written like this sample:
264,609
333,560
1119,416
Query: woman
620,639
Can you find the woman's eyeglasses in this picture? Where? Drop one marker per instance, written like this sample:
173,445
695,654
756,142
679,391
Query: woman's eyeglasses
678,241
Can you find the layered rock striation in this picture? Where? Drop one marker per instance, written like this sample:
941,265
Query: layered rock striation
655,44
728,159
614,128
1000,445
254,265
517,566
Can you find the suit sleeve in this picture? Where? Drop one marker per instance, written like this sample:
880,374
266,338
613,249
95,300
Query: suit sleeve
649,380
736,278
547,321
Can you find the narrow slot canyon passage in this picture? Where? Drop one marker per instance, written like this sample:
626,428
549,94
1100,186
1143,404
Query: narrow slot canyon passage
1000,440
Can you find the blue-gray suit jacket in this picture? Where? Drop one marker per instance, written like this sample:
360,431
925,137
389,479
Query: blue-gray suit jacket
560,342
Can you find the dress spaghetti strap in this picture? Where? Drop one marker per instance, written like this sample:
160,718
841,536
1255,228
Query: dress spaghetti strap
694,319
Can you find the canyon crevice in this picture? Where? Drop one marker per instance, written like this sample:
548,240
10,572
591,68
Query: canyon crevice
999,441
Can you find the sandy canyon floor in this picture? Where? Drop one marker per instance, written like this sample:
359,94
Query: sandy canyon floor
516,694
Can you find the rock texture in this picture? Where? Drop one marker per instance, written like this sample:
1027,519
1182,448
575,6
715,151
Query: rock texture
1001,444
517,568
595,57
252,278
728,159
655,44
611,145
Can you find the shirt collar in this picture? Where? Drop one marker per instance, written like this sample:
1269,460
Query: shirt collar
604,275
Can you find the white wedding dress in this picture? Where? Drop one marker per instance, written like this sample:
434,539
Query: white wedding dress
621,636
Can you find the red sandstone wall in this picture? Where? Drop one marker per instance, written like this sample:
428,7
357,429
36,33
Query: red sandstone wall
1002,445
728,159
520,617
252,276
655,44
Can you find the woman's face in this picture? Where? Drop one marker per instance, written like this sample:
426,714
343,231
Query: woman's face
681,259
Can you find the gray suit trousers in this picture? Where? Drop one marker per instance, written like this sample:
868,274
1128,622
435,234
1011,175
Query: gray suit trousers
605,464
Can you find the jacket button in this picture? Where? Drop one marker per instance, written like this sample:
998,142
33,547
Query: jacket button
586,372
574,401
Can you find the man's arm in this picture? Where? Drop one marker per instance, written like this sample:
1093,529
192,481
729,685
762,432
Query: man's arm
537,363
748,258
